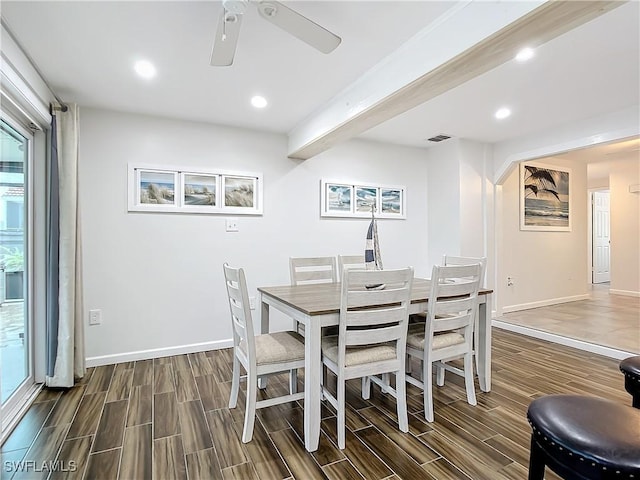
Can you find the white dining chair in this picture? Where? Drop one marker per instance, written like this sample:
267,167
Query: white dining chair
371,338
457,260
355,262
259,355
308,270
447,332
311,270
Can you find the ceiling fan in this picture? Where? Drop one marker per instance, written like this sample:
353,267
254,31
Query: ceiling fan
224,46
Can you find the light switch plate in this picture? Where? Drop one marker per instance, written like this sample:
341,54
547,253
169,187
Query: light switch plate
232,224
95,317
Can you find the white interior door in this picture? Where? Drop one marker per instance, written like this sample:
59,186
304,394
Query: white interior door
601,237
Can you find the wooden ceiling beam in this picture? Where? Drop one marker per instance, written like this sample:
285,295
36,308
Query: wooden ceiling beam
469,40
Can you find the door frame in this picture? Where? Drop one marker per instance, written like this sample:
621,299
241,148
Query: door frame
12,412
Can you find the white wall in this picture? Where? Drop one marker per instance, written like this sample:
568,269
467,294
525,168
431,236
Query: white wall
625,228
475,158
443,187
546,267
459,199
158,277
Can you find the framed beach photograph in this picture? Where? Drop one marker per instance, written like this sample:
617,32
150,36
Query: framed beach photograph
240,193
545,201
156,188
337,199
199,190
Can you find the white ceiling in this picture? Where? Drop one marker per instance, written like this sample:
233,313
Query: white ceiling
85,50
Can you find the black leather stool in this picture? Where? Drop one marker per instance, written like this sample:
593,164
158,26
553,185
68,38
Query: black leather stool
584,438
631,369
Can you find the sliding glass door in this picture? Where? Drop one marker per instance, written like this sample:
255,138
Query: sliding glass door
15,325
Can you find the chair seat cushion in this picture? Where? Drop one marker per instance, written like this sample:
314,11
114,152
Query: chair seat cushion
588,434
277,347
358,355
415,338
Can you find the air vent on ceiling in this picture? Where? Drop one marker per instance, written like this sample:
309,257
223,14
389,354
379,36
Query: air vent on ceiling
439,138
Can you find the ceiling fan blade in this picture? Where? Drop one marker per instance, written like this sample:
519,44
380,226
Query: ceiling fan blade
224,45
299,26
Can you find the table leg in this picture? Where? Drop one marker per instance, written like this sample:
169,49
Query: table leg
264,328
312,373
484,345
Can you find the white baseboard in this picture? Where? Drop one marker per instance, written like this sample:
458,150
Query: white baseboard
157,352
627,293
569,342
544,303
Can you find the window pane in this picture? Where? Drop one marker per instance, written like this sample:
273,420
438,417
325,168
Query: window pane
14,344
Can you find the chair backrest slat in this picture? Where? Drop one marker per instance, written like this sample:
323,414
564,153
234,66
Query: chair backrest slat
451,323
372,316
447,306
306,270
362,296
379,335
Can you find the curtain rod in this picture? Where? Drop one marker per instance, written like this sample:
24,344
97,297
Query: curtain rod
59,108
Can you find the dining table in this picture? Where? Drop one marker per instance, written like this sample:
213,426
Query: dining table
318,305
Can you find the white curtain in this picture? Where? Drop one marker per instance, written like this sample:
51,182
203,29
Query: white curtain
69,351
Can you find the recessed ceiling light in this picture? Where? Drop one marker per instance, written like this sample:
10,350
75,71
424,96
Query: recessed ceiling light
525,54
258,101
502,113
145,69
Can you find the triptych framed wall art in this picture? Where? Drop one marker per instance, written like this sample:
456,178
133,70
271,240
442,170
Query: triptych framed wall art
192,190
350,199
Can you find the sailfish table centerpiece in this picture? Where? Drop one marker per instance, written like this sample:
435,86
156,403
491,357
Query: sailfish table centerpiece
372,257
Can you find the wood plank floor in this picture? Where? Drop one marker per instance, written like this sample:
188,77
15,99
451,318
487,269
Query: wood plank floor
168,419
603,319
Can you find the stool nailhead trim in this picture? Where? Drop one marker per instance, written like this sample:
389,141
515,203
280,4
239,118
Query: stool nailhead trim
635,378
593,464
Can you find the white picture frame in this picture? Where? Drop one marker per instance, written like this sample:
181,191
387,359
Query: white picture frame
337,199
354,199
174,189
240,193
545,197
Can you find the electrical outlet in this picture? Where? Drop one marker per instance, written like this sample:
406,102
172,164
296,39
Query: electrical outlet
95,317
232,224
252,303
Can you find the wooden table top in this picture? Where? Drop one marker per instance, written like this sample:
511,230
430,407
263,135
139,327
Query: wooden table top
324,298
